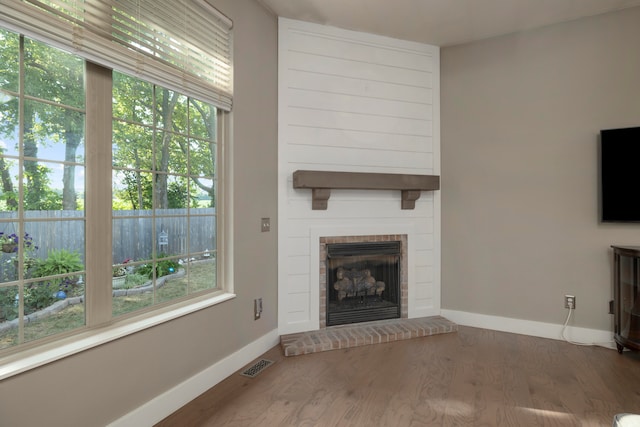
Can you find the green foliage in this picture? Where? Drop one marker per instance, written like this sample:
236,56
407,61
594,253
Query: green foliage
162,268
9,201
145,270
136,280
42,294
50,200
57,78
38,296
8,307
37,191
159,135
136,192
178,197
59,262
183,143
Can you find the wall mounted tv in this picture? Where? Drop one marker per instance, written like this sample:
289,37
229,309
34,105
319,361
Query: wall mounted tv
620,175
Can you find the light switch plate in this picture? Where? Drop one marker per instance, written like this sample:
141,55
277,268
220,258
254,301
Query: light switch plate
265,224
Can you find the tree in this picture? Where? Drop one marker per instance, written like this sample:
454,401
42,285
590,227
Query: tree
166,108
9,79
8,193
161,136
208,114
59,77
55,77
133,139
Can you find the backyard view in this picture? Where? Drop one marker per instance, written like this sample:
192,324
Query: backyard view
197,276
163,199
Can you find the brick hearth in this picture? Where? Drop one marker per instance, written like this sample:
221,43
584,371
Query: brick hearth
358,334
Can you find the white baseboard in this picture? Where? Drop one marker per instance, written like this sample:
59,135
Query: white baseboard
529,327
168,402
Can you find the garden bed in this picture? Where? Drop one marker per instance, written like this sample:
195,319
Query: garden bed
62,304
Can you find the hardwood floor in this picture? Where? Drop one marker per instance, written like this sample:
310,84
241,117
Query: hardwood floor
473,377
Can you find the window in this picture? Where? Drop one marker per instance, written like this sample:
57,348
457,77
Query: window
79,139
164,194
42,213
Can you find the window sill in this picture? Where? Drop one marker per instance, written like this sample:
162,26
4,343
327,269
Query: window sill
28,359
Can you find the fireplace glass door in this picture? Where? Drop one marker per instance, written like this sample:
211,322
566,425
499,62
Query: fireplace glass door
363,282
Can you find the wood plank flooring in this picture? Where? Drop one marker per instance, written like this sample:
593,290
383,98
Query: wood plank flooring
473,377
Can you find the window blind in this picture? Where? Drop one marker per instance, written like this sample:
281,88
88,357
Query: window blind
180,44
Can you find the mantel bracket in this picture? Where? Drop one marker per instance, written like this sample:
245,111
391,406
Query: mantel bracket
319,198
409,198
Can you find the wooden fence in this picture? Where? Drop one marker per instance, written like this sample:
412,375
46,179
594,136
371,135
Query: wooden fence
135,233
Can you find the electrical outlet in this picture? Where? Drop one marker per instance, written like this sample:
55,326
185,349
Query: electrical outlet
257,308
570,302
265,224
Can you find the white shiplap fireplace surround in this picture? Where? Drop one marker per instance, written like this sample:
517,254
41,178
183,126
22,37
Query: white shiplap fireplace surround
354,102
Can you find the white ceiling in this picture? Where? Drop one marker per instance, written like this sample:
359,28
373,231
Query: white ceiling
442,22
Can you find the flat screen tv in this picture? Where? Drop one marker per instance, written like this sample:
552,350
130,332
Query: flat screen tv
620,175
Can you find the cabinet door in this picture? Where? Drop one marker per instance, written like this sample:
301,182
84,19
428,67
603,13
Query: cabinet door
624,298
629,300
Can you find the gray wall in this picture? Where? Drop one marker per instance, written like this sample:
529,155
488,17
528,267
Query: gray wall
100,385
521,117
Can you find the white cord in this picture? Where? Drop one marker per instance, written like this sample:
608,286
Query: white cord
564,327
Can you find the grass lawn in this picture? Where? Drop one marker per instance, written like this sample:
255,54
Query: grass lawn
198,276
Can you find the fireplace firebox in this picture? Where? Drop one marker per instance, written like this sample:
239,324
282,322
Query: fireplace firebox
363,282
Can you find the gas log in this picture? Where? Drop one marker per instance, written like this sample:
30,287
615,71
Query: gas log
351,283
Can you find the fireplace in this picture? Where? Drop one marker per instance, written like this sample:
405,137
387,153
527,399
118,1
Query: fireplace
363,278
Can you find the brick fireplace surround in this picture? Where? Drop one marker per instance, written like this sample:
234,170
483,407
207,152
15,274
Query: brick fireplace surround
367,333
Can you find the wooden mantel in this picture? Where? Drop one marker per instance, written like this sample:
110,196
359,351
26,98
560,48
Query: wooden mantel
321,183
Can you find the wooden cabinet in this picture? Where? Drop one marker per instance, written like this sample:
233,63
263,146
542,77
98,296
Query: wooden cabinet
626,305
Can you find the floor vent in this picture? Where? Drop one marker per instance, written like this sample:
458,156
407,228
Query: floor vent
256,368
